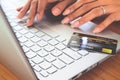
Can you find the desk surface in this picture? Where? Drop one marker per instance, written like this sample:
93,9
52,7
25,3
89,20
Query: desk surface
5,74
108,70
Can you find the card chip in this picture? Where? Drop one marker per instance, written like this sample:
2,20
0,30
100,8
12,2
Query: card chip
105,50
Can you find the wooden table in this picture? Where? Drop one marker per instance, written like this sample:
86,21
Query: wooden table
5,74
108,70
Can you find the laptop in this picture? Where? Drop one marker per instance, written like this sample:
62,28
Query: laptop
41,52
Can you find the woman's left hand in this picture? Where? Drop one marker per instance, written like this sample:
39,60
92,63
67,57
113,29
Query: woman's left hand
90,9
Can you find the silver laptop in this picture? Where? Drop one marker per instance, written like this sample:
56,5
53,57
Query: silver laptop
41,52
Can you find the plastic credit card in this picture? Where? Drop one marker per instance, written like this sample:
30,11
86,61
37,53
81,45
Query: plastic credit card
93,43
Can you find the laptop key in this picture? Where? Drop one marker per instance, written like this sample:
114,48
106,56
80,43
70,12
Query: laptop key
40,34
38,74
42,43
29,35
18,28
35,39
42,53
44,73
66,59
60,46
50,58
83,52
52,70
53,42
56,52
59,64
45,65
31,62
49,48
30,54
29,43
46,38
23,31
13,24
60,39
22,39
18,34
37,68
37,59
72,53
33,30
25,49
35,48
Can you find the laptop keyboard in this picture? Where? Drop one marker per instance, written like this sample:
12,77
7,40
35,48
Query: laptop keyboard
47,54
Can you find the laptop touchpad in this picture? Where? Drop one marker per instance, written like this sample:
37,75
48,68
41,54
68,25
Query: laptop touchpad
87,27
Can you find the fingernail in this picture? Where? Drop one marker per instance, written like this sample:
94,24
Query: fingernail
38,17
96,30
28,22
56,11
65,20
66,12
75,24
19,16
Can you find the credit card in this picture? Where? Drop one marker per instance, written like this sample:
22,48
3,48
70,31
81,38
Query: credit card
93,43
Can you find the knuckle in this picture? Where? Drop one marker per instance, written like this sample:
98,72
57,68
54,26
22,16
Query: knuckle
72,16
34,2
73,7
96,12
86,7
84,19
111,18
102,25
84,1
29,0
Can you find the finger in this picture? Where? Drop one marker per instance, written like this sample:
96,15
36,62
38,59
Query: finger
24,10
19,9
76,5
32,13
58,9
41,8
79,12
50,1
88,17
110,19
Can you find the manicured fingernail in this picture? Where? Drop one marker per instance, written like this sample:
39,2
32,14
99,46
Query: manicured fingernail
56,11
96,30
66,12
75,24
65,20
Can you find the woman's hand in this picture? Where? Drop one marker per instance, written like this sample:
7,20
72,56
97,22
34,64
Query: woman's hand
61,6
90,9
36,8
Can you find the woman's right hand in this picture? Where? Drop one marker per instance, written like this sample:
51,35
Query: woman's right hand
36,8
